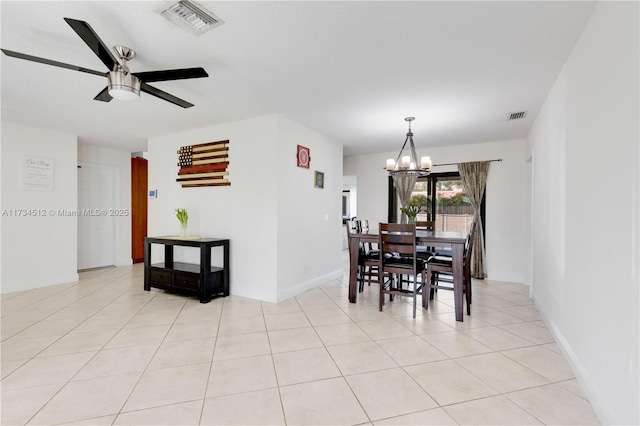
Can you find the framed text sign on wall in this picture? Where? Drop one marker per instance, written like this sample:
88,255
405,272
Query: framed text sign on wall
37,173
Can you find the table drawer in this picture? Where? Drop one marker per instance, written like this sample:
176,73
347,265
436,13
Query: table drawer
189,281
160,276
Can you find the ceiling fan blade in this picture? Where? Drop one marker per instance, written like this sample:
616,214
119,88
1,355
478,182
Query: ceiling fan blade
164,95
92,40
103,96
50,62
179,74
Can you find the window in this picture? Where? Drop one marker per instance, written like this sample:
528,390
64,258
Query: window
444,199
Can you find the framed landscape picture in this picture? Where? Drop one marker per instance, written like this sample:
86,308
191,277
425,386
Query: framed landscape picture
319,179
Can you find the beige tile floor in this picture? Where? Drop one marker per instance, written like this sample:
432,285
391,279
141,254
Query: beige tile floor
103,351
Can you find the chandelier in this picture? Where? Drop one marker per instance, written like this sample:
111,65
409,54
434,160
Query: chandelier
407,165
405,171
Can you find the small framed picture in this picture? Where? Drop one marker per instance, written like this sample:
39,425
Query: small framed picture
304,157
319,179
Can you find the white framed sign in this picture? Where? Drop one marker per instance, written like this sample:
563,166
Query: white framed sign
37,173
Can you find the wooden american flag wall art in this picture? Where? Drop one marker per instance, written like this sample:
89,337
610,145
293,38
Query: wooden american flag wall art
204,164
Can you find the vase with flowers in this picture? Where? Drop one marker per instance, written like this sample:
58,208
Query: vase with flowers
412,212
183,217
416,204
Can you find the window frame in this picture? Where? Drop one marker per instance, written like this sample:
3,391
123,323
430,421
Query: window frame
392,211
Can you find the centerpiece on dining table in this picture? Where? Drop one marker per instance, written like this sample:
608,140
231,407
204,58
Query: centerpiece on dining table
416,205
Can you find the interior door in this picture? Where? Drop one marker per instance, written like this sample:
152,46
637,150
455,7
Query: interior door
139,190
96,226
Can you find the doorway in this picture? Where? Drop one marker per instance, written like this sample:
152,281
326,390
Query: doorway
96,226
139,206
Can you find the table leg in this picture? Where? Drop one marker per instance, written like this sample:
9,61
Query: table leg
205,274
147,264
353,268
227,268
458,278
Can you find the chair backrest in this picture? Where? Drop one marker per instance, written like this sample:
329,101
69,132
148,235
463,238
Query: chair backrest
357,227
427,225
469,243
354,227
351,227
364,227
398,238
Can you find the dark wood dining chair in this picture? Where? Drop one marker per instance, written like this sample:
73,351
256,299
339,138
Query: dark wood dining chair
398,257
425,252
368,257
427,225
438,265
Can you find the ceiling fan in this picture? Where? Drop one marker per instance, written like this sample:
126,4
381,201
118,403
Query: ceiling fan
122,83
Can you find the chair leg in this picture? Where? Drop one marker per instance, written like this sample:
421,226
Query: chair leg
468,296
373,271
432,288
380,294
415,290
415,295
425,289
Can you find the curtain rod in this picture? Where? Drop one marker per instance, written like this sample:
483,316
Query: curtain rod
455,164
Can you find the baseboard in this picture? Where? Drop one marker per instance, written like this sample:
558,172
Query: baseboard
508,278
10,287
124,262
308,285
589,388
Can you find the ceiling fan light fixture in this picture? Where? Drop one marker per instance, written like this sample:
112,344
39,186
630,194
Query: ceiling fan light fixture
123,86
190,16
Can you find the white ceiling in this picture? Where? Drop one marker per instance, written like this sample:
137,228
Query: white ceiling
350,70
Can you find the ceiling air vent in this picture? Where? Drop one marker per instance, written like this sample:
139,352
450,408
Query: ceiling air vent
190,16
517,115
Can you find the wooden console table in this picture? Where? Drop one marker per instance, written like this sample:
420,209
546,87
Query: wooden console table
203,281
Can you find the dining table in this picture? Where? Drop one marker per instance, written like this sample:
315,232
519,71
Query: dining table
455,240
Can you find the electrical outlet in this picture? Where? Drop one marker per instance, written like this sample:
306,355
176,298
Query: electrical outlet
306,269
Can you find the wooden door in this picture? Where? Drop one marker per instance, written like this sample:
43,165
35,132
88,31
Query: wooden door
139,191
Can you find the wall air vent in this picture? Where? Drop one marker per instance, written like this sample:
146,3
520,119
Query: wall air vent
517,115
190,16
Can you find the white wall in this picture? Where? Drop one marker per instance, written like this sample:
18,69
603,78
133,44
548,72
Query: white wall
309,219
38,250
586,161
121,161
506,200
265,183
